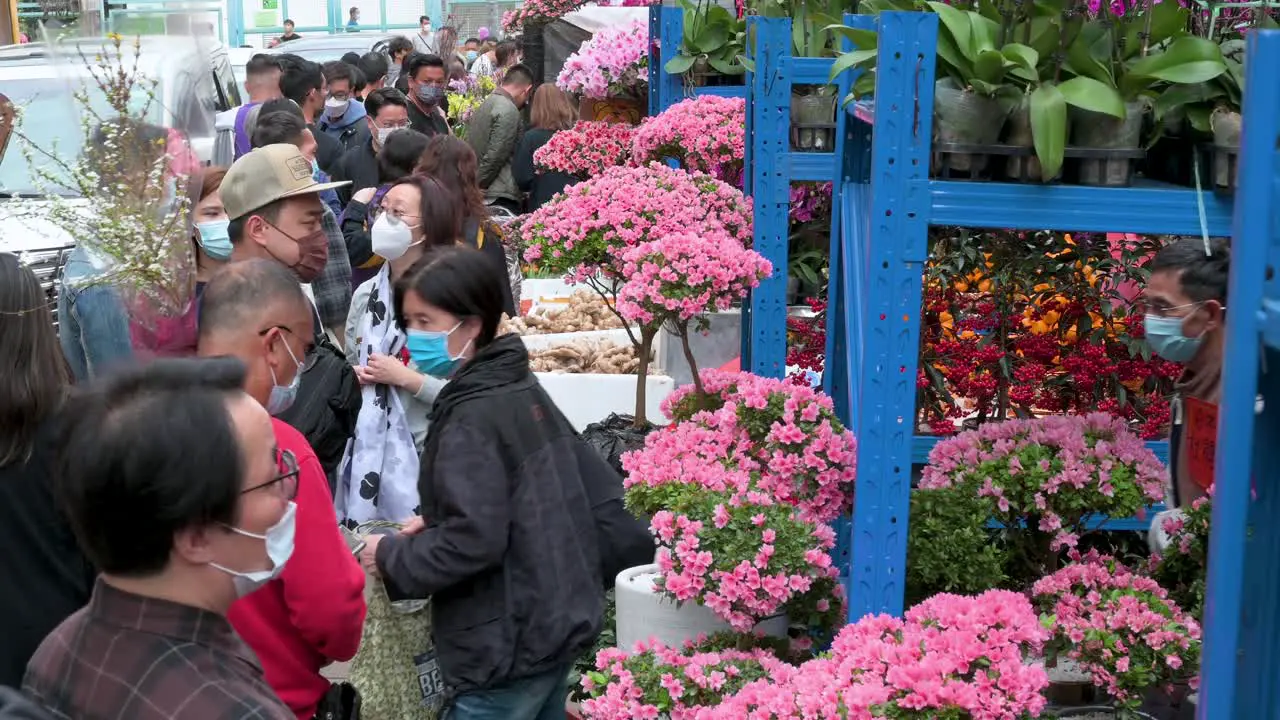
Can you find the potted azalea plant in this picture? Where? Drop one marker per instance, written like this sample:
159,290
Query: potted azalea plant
585,232
740,489
654,680
587,149
954,657
1182,567
1120,628
610,74
705,133
1046,480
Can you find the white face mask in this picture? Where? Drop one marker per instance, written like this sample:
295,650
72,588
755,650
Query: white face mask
335,107
391,237
279,542
384,133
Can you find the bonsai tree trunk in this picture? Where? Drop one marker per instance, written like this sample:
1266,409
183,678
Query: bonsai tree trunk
682,329
644,349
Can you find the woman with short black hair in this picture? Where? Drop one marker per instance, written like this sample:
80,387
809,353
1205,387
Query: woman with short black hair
49,577
507,545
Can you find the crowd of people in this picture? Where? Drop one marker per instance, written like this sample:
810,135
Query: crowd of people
191,517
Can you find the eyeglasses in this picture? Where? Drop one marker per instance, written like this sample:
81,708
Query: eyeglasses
308,353
399,216
286,480
396,126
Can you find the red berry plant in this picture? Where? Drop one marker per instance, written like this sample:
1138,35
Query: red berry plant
1020,324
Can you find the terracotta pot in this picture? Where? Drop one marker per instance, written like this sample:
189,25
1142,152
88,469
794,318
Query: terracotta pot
626,111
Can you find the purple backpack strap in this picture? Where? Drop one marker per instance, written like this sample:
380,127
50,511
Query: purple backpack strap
243,144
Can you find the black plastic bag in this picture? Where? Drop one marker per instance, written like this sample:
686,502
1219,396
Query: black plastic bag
615,435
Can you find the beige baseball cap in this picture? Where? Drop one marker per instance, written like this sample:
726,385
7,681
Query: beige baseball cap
265,175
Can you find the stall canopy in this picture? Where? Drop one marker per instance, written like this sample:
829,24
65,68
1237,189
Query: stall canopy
563,37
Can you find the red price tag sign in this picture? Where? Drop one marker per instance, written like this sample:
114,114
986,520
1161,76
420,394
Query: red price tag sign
1200,433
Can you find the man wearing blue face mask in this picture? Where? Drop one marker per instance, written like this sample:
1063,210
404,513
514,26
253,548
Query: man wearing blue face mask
1186,300
312,614
426,76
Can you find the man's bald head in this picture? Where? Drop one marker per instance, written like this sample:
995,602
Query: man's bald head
244,295
255,310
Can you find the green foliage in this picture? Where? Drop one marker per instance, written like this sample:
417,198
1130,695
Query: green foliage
949,547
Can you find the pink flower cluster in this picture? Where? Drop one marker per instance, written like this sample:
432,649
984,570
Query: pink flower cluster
585,230
587,149
744,561
659,681
1051,472
537,11
1183,568
682,275
783,442
613,63
705,133
1119,626
951,656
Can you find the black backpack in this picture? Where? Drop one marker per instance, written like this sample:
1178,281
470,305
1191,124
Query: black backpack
327,406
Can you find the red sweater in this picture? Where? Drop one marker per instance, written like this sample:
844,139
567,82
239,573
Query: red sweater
314,613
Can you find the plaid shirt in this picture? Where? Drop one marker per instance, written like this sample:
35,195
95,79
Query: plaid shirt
128,657
332,288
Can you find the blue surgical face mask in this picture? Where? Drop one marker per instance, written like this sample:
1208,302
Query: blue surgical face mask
472,55
282,396
214,239
429,350
1165,336
430,94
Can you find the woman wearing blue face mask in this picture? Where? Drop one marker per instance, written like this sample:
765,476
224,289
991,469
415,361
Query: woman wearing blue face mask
507,547
213,243
415,214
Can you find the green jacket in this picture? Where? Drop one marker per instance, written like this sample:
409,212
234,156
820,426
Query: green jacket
493,131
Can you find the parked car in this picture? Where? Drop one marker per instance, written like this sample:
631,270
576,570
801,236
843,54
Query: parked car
324,48
194,81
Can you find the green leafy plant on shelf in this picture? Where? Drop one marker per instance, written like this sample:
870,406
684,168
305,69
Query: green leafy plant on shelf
713,41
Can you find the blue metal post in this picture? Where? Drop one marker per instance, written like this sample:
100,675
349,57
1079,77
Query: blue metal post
769,110
666,27
235,23
900,203
1241,662
836,370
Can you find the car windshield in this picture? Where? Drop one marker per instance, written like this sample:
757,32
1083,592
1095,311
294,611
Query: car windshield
50,122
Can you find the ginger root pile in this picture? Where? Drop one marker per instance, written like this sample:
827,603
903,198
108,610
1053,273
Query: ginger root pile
584,312
584,356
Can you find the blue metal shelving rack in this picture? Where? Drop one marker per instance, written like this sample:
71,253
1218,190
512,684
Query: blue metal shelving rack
890,202
1240,669
885,202
771,165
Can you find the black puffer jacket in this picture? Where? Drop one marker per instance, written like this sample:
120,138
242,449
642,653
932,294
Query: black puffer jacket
510,556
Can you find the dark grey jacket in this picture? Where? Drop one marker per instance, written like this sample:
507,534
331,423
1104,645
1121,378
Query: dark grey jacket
493,131
510,555
13,706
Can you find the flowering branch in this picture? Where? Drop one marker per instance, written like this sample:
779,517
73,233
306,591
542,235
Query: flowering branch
125,198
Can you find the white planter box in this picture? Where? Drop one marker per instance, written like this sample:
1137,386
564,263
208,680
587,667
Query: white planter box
643,614
588,398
